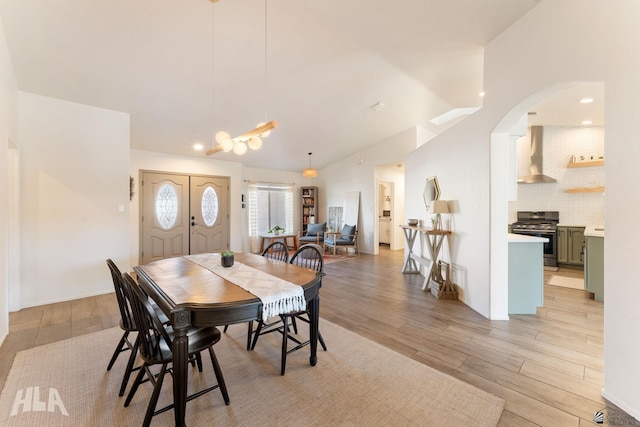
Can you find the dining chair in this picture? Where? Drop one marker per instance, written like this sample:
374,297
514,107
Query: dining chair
276,251
307,256
155,349
127,324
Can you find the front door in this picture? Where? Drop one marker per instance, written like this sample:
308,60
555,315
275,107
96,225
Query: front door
182,215
209,214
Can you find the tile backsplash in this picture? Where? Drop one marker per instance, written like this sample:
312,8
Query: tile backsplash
560,144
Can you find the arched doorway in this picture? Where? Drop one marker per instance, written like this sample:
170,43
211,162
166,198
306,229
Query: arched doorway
503,187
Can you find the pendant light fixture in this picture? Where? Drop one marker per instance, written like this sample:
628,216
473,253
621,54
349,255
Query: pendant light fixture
310,172
253,138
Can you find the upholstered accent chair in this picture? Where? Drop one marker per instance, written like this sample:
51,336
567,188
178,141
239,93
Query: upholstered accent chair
347,238
314,234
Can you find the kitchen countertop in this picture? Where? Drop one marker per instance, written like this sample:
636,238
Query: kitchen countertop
594,231
521,238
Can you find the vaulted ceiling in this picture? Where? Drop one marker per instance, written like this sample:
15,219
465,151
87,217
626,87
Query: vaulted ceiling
327,63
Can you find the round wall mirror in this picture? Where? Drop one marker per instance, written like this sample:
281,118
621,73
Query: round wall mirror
431,191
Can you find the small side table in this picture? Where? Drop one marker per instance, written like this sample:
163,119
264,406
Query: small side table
270,237
434,240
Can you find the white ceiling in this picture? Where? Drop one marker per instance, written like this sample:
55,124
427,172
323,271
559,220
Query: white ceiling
565,109
328,62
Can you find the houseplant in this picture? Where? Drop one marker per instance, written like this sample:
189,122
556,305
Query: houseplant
226,258
276,229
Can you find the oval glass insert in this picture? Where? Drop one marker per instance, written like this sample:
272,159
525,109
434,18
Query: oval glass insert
209,206
167,206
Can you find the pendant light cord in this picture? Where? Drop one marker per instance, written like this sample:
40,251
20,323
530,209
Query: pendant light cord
213,80
266,87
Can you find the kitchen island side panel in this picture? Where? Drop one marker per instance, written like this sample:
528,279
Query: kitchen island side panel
526,277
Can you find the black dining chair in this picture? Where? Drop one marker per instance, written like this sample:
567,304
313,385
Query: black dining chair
276,251
307,256
155,349
127,324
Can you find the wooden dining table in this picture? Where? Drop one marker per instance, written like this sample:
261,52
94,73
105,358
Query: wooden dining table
191,295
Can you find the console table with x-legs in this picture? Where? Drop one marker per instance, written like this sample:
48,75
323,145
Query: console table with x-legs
434,239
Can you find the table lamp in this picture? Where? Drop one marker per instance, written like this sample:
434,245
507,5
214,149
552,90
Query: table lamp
439,207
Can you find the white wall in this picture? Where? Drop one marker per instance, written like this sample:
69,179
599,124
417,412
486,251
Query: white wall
521,63
75,167
8,131
459,158
356,173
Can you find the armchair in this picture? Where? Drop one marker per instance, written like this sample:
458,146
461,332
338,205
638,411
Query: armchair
314,234
347,238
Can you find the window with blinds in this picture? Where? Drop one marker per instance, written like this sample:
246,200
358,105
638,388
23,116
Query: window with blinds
269,205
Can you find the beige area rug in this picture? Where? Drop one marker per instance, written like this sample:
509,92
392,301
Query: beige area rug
566,282
356,383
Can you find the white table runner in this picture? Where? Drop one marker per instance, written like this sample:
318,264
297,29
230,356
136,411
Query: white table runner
278,296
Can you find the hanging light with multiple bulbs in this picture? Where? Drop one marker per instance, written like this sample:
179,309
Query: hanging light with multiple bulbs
310,172
253,138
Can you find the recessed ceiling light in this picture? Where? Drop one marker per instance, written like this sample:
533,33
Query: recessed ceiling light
197,146
587,122
586,100
481,94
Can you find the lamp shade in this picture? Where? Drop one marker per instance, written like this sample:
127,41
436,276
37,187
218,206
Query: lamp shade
439,206
310,173
239,148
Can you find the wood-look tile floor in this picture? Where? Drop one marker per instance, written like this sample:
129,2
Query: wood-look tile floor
548,367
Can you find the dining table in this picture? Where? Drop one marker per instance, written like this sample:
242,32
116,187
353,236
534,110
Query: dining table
194,296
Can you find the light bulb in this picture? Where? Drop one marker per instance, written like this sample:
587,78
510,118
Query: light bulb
226,145
263,134
255,143
239,148
222,136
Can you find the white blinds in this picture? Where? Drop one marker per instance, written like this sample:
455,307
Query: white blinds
253,189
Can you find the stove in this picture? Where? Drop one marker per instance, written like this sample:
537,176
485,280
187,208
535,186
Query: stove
540,224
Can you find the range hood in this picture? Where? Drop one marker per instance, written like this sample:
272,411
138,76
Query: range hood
536,159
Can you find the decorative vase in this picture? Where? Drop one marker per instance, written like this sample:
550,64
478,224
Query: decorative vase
227,261
277,232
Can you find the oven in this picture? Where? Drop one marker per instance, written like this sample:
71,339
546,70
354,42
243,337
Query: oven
540,224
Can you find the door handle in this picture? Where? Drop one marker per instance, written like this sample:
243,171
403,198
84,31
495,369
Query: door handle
193,223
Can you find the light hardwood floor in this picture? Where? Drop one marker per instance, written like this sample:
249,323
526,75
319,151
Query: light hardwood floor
548,367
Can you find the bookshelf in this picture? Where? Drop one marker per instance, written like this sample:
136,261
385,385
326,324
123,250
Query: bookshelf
309,200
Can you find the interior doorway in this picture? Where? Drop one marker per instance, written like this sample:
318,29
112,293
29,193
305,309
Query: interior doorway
385,209
182,215
556,196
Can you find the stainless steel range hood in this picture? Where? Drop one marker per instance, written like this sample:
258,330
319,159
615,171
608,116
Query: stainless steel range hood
536,159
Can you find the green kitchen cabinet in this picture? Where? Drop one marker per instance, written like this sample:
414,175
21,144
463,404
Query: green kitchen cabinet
570,245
